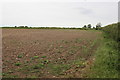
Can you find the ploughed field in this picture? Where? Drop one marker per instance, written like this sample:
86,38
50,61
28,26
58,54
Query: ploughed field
48,53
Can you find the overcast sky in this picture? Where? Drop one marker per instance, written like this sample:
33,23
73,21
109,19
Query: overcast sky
58,12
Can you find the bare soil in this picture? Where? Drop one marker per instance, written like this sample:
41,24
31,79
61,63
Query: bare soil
47,53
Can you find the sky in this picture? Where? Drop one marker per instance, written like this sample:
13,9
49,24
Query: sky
56,13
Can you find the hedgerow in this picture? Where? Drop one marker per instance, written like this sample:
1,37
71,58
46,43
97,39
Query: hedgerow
113,30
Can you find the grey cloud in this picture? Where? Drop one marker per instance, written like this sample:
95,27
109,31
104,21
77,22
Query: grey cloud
84,11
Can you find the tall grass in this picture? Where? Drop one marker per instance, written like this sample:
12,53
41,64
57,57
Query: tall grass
107,61
113,31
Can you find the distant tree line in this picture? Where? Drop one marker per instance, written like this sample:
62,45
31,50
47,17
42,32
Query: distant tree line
89,26
21,27
85,27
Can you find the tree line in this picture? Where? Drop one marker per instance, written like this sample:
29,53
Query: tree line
89,26
85,27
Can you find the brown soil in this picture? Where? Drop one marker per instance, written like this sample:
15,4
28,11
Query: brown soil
31,47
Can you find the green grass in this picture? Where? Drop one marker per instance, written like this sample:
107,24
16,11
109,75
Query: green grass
106,59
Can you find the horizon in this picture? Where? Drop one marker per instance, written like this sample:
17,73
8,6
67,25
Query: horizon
58,26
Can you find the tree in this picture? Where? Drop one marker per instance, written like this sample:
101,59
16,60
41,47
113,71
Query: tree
84,26
89,26
93,27
98,26
15,26
26,26
21,26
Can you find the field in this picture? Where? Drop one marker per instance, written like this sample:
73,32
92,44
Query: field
44,53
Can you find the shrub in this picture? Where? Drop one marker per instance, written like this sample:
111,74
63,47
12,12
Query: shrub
113,31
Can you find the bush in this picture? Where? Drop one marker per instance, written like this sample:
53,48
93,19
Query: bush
113,31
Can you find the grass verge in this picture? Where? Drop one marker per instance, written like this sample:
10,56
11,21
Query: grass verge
106,59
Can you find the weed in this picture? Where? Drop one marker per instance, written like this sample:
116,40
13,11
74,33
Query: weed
44,56
58,69
20,56
36,57
38,66
46,61
17,64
